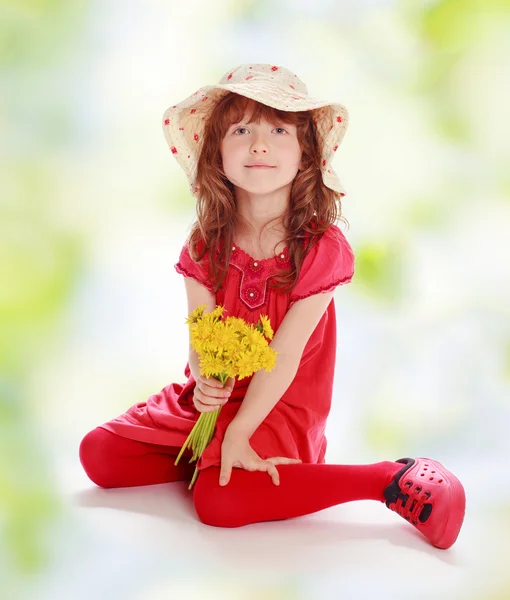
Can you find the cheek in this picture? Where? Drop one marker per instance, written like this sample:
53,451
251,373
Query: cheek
227,160
290,149
293,156
232,155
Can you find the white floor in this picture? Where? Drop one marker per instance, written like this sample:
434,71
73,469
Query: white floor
147,543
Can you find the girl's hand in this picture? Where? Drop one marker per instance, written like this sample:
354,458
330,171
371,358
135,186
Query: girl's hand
209,394
237,452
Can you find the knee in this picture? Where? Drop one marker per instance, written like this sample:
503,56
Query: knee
93,453
212,501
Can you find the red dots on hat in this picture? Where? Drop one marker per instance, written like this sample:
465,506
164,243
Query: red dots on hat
274,68
339,119
335,148
292,86
195,137
323,163
167,121
249,77
192,111
204,98
331,127
173,149
229,76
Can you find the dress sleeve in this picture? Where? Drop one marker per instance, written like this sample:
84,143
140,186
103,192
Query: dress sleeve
189,268
329,264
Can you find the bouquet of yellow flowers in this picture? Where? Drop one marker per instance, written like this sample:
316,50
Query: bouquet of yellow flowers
226,348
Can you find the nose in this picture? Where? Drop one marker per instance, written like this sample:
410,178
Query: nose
258,145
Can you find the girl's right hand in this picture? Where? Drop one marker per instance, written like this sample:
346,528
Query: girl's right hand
210,394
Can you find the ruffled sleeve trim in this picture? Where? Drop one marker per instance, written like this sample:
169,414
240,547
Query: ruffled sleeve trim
183,271
189,268
329,264
323,288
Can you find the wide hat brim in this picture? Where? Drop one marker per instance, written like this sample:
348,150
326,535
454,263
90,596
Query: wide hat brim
184,123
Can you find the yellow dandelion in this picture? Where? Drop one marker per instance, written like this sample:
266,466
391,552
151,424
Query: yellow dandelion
253,338
196,315
268,359
201,333
229,355
266,327
243,332
223,336
236,323
245,365
209,319
217,313
229,369
210,365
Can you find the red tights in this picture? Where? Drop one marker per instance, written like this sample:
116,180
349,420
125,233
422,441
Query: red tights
250,496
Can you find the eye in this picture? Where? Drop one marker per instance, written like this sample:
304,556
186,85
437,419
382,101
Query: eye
276,128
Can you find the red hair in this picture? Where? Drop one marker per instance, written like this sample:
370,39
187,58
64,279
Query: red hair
312,207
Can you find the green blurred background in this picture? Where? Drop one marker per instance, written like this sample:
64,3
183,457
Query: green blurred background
94,211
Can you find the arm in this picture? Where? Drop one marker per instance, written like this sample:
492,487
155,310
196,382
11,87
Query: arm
266,389
194,363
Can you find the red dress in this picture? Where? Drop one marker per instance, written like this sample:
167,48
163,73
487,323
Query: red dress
295,426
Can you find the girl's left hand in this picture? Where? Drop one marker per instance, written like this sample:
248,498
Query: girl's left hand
237,452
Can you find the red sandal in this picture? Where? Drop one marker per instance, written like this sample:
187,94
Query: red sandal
430,498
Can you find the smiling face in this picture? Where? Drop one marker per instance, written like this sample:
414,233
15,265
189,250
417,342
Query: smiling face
271,143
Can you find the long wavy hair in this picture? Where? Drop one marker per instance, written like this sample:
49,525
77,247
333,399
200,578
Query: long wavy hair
312,206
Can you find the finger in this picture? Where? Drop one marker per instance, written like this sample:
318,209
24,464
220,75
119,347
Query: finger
216,392
202,392
203,407
273,472
211,407
217,385
216,402
270,470
225,474
209,383
213,400
282,460
206,401
209,400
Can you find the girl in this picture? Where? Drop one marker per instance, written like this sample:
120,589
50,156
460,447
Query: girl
257,152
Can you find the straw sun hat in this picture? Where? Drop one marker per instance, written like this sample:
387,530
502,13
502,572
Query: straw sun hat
184,123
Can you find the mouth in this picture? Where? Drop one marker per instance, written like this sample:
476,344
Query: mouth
259,167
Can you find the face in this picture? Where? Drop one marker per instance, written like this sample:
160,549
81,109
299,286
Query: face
274,144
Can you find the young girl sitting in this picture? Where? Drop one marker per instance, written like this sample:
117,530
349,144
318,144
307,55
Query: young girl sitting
257,152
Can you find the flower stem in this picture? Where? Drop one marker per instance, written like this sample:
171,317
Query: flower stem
201,434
